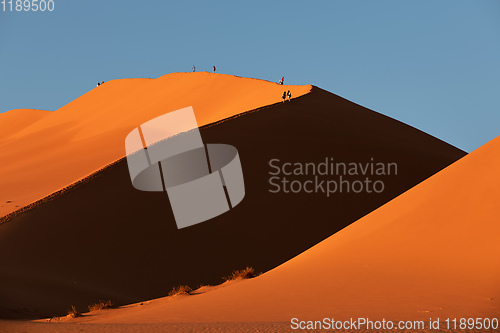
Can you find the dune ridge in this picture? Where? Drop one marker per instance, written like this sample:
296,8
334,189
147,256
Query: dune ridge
48,153
432,252
104,230
96,173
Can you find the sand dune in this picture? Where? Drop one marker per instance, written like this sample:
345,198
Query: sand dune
44,154
433,252
103,239
14,121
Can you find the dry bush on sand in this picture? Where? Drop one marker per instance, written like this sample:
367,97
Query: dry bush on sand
101,305
180,290
246,273
73,312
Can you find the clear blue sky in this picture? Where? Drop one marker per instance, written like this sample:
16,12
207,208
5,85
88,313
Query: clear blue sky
431,64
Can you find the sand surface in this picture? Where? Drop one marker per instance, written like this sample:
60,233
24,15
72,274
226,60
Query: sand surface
430,253
28,327
105,240
14,121
42,152
433,252
427,247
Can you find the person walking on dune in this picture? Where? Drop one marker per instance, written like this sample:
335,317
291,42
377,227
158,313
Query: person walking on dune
194,69
284,96
98,84
282,80
213,68
289,94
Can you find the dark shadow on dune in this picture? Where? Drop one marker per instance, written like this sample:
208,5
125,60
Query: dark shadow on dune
105,240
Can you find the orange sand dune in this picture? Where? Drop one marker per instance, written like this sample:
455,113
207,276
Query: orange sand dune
432,252
88,133
103,239
14,121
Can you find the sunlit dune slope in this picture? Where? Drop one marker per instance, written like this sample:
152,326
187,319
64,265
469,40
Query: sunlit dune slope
106,240
433,252
88,133
14,121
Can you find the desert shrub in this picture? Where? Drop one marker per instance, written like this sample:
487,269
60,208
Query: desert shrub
246,273
101,305
73,312
180,290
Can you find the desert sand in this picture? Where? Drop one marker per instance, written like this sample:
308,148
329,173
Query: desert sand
432,252
46,151
103,239
426,247
14,121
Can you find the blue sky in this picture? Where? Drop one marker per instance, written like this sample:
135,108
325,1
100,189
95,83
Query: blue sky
431,64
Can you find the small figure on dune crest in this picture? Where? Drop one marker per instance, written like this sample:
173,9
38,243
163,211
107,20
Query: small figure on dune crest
98,84
102,83
194,69
289,94
213,68
282,80
284,96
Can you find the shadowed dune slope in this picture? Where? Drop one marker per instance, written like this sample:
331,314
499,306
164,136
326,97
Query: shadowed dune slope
88,133
433,252
104,239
